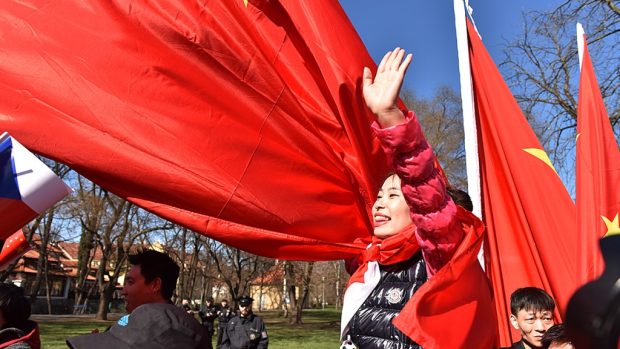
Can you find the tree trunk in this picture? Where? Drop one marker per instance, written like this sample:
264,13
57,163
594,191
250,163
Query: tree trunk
45,234
48,297
104,300
285,313
305,291
87,243
183,254
194,268
338,266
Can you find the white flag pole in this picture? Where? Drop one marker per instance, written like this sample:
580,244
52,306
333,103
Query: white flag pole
580,42
469,112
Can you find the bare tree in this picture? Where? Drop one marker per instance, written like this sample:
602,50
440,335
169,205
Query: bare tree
442,120
542,69
88,209
236,268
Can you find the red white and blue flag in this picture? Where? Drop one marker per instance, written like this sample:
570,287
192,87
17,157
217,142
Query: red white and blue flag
27,186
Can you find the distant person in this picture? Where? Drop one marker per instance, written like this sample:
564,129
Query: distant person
245,330
186,306
532,315
208,314
16,330
153,321
224,314
556,338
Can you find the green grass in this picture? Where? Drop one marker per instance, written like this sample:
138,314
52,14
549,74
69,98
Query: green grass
320,330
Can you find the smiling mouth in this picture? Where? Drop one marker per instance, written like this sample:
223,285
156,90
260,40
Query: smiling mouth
381,220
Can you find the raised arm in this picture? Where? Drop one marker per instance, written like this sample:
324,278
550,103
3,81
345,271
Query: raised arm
412,158
381,94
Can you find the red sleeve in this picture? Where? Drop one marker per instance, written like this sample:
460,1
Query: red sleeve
424,187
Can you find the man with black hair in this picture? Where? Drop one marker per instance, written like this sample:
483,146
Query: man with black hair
16,330
532,315
153,321
151,279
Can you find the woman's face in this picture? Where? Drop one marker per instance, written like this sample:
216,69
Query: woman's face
390,212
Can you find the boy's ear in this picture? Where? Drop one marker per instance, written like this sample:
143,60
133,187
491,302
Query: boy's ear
513,321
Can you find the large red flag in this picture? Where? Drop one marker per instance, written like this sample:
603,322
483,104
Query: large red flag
526,208
597,174
244,122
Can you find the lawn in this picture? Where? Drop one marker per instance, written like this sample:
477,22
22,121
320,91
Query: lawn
320,329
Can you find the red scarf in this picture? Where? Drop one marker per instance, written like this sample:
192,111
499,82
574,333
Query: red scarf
458,293
394,249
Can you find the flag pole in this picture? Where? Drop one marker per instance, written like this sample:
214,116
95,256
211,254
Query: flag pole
467,100
580,42
469,113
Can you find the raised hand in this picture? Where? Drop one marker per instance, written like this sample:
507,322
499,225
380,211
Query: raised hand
381,93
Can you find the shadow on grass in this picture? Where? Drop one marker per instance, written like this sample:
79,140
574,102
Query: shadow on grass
321,329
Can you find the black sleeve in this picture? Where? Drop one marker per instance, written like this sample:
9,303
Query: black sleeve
264,339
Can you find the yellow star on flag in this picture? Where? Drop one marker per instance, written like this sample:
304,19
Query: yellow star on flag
613,227
245,2
540,155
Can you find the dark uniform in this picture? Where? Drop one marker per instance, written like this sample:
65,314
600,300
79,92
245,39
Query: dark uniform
245,332
224,314
208,314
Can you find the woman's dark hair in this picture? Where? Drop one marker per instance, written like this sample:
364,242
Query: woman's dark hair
154,264
460,198
14,306
555,334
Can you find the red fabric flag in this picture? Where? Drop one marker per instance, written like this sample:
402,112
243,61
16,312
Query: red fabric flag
459,292
14,247
527,211
244,123
597,175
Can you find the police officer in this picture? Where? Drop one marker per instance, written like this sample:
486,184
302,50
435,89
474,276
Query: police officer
208,314
224,314
245,330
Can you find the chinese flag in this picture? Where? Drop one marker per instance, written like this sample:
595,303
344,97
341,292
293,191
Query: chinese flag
14,247
528,213
242,121
598,173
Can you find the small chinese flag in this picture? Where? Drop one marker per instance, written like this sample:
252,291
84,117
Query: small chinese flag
14,247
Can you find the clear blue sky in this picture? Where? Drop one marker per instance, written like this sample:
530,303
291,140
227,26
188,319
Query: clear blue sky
426,28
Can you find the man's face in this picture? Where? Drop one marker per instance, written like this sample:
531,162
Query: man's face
532,325
224,304
137,291
245,310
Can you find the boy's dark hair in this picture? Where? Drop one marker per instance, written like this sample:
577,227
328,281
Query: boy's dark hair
555,334
460,198
530,298
154,264
14,306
